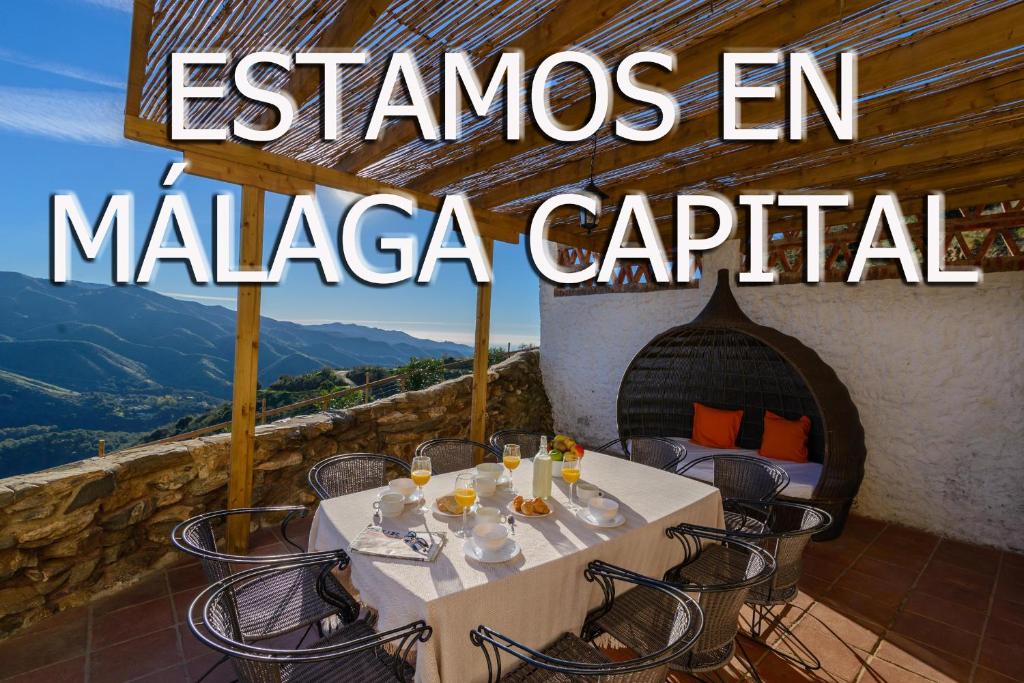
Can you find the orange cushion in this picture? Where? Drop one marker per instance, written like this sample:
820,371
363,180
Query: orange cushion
785,439
715,428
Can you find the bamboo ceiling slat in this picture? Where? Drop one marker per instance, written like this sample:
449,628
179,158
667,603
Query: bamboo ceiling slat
932,75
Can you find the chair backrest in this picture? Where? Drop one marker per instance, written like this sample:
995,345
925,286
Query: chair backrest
573,658
722,569
653,451
356,649
347,473
784,529
744,477
452,455
197,536
528,442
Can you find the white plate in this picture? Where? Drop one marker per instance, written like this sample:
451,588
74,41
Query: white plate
512,508
438,511
504,554
617,520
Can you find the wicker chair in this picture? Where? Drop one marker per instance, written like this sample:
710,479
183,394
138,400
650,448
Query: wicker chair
340,475
647,450
198,537
452,455
743,477
352,653
528,442
784,529
722,570
669,624
724,360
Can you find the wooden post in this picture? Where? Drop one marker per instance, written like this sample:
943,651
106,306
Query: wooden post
247,342
481,346
366,387
263,411
101,448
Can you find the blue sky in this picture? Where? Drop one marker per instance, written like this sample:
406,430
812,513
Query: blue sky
61,100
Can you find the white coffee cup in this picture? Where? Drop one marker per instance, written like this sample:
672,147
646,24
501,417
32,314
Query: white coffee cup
493,469
603,509
487,513
585,491
485,483
403,486
390,504
490,536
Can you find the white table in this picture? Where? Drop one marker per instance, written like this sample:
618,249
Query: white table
534,597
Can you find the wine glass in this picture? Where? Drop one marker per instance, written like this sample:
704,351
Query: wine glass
421,471
465,496
571,475
511,457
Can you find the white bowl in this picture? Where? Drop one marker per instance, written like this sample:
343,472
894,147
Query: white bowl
602,508
487,513
490,536
402,485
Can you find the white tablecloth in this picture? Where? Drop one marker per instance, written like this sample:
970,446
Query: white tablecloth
536,596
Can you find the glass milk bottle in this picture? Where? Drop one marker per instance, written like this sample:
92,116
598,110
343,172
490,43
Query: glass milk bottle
542,471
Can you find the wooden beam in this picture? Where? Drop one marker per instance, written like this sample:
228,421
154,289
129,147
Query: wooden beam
240,174
481,352
347,29
142,24
984,35
501,227
901,115
243,401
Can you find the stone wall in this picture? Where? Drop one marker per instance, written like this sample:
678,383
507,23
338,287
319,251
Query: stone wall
71,532
935,372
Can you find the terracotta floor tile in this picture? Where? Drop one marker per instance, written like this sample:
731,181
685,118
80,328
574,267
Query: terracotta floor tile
224,673
191,646
881,671
862,634
182,600
863,528
886,592
190,576
68,671
1010,588
919,658
1004,631
1008,611
1004,658
149,588
74,617
28,652
859,606
886,571
894,553
1013,559
977,558
946,611
936,634
135,658
814,587
983,675
908,536
775,669
838,657
956,584
824,568
174,674
131,622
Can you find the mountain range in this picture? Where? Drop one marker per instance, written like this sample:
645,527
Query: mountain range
96,357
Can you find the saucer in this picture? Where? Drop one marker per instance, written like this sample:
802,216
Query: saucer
585,516
504,554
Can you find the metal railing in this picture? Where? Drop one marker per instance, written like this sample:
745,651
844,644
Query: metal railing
371,391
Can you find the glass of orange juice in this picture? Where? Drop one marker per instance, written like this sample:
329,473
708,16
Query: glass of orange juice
571,475
465,496
511,457
420,475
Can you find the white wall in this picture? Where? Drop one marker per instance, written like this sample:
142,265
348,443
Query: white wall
936,372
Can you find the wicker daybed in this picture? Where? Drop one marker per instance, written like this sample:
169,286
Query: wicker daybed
724,360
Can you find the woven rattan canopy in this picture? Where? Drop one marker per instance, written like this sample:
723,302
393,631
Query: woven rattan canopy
940,88
725,360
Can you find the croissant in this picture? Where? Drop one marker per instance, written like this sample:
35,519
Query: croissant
517,503
540,507
528,507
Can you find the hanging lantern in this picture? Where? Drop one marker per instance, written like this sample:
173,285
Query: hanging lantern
589,221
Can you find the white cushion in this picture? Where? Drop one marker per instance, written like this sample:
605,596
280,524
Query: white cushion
803,476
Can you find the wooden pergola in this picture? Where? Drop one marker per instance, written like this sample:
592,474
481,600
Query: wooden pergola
940,86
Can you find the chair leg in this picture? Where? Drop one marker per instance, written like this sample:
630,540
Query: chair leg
799,653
